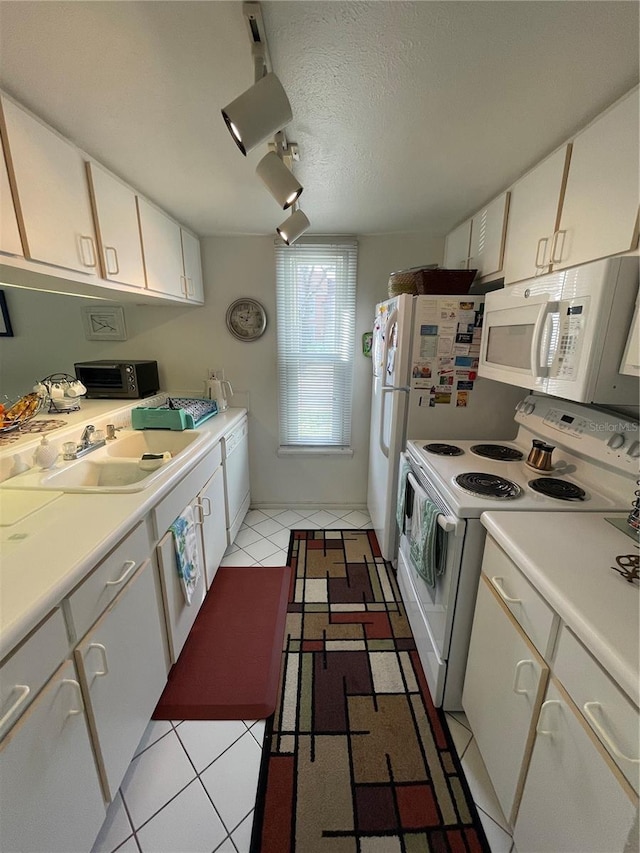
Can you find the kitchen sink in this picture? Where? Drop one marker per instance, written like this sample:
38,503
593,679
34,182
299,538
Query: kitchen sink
100,474
134,443
115,467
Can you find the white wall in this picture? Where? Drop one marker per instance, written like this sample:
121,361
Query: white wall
186,341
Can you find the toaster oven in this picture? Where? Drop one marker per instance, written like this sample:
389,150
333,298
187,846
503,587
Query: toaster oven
107,379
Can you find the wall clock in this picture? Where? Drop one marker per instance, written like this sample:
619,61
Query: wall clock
246,319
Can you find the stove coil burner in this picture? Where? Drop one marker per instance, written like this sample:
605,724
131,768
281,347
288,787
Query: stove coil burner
488,485
560,489
497,451
443,449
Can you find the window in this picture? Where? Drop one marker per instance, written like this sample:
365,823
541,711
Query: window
316,307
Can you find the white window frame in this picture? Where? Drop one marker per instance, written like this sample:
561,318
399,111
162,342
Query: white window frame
315,386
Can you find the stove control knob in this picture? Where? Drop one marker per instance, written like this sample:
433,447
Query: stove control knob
528,408
616,441
634,450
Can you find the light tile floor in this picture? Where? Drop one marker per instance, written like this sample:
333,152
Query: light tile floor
191,785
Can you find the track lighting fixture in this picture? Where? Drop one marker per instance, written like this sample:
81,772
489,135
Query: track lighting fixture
258,113
279,180
293,227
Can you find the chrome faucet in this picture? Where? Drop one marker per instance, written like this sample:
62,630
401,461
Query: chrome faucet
85,445
85,438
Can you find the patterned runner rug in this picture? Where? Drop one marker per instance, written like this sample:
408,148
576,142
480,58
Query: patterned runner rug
356,757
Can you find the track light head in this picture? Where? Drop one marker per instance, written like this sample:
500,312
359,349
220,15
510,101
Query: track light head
258,113
293,227
279,180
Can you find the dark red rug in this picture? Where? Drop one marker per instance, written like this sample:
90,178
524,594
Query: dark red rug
229,666
356,757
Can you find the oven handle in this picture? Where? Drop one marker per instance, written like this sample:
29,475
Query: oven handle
447,522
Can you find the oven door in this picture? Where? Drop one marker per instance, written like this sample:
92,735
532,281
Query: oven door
431,610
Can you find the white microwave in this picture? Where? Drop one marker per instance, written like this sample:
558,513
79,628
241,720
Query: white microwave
564,333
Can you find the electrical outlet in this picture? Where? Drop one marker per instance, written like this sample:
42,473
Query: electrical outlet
215,373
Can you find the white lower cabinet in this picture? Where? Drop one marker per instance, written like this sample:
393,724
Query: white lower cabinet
50,798
572,802
180,616
123,670
212,522
502,694
564,769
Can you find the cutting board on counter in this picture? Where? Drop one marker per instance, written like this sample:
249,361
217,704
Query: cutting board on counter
17,505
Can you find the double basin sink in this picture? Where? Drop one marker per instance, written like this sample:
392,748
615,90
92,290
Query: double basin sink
117,466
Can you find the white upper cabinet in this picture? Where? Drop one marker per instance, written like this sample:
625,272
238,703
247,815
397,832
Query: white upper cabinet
487,237
192,266
118,232
456,247
600,207
9,234
478,244
534,213
162,248
53,200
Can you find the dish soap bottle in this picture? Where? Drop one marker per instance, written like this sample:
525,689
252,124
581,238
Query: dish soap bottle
45,454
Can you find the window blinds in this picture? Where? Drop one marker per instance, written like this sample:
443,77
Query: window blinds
316,308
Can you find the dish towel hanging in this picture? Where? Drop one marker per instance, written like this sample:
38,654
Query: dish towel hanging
428,545
402,491
185,543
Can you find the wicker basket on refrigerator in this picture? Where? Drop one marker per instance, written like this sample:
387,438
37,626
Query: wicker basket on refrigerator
423,280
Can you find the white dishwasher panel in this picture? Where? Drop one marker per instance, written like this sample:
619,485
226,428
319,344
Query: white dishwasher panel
236,477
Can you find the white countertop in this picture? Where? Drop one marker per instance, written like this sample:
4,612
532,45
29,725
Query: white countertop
47,553
568,557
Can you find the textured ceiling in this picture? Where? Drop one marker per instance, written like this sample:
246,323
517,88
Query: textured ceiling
409,116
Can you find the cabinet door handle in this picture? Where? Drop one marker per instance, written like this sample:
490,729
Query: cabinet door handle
85,239
23,692
108,249
190,290
128,567
76,687
503,595
183,285
519,690
545,707
105,663
541,264
201,513
206,506
554,243
604,735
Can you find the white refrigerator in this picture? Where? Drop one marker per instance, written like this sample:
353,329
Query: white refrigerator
425,353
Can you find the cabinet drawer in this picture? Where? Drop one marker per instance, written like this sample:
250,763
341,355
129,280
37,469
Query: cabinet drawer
529,609
30,667
98,590
610,713
170,507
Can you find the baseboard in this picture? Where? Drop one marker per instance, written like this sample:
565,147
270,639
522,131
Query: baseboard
315,507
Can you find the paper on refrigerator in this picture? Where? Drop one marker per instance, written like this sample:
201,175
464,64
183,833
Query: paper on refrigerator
446,349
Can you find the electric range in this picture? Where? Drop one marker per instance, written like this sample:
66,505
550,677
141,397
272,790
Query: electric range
595,463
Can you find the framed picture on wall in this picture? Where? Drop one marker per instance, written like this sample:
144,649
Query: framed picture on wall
104,324
5,322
